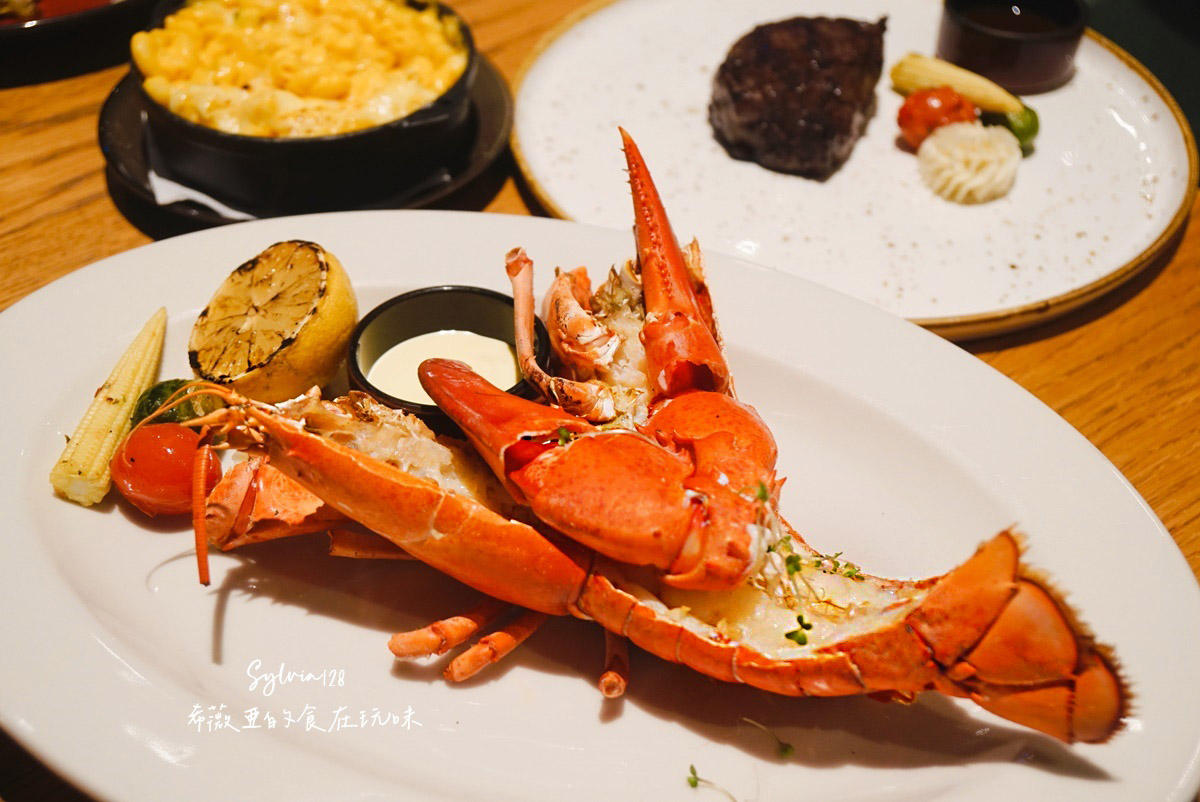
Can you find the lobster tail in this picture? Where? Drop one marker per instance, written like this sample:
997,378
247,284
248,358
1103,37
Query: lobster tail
984,631
1021,655
1086,706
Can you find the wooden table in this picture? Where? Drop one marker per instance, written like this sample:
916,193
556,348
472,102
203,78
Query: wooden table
1124,371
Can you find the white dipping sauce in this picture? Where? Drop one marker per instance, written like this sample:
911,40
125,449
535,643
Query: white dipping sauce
395,372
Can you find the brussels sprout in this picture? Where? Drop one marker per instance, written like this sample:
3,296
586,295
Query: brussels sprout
1023,124
154,397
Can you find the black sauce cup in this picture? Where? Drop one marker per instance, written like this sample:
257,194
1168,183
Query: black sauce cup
1025,56
428,310
272,176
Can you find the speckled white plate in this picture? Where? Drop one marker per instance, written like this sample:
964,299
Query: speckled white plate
1112,178
900,449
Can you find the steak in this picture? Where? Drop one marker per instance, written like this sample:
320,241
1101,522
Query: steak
796,95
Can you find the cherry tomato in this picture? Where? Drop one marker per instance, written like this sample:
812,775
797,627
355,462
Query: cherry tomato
928,109
153,468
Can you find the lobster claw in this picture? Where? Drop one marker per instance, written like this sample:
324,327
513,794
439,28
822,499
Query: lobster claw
506,430
685,493
682,351
615,491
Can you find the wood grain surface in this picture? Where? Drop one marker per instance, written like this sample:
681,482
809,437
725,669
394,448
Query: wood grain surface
1124,371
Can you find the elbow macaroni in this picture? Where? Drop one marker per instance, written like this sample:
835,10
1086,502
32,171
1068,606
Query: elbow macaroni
296,68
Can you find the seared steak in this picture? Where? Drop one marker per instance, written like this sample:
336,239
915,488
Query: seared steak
796,95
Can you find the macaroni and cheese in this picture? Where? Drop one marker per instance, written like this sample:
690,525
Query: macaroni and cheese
298,68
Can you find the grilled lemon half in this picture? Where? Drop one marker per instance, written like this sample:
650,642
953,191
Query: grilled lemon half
278,325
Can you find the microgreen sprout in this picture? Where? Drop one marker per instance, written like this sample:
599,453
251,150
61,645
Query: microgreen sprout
793,563
695,780
759,493
799,635
782,747
831,564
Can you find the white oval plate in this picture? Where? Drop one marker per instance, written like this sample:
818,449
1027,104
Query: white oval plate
900,450
1112,177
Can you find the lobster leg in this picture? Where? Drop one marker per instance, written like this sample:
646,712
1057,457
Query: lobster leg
442,636
615,678
494,647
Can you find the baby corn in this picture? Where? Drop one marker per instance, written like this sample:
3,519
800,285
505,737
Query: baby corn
914,72
81,473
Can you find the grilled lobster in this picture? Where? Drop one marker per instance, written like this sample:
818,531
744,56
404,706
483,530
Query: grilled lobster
689,558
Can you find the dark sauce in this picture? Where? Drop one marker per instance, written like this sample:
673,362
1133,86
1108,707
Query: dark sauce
1024,45
1012,17
1019,16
